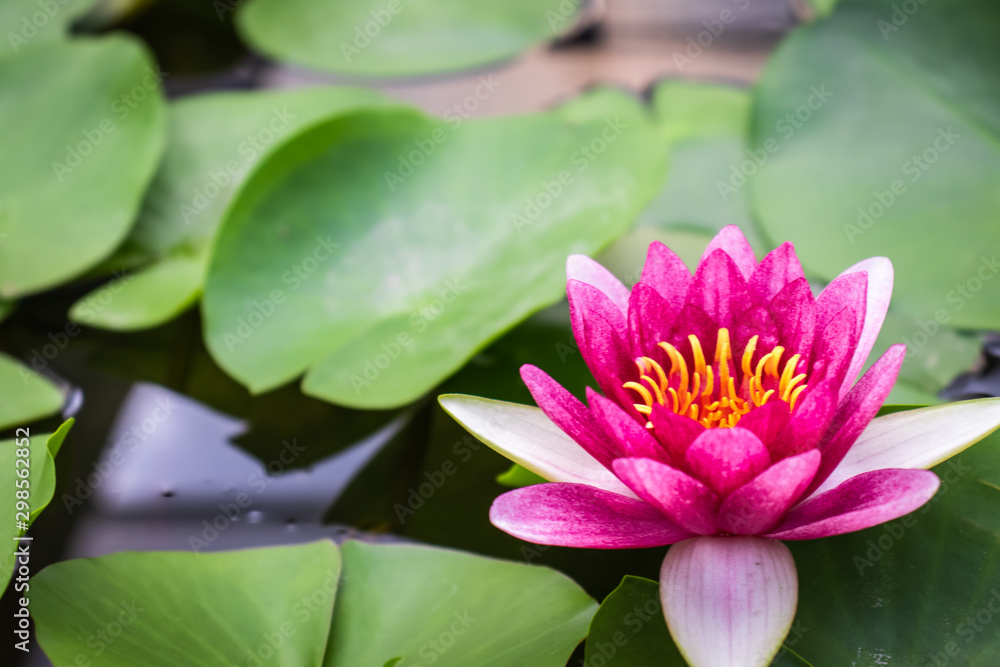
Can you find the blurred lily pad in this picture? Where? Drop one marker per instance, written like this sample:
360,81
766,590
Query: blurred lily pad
379,251
27,395
400,37
78,170
26,24
879,134
214,142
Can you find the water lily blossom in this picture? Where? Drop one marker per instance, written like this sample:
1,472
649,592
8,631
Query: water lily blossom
731,417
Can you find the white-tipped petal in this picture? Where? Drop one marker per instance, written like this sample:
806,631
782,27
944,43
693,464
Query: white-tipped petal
880,278
917,439
729,601
586,270
526,436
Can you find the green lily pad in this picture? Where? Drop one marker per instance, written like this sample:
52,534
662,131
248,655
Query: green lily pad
629,629
448,250
40,487
432,606
215,140
27,395
518,476
90,119
400,37
259,606
905,106
27,24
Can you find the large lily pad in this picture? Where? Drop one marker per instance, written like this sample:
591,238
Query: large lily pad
40,487
27,395
380,251
89,119
215,140
883,123
400,37
420,605
162,609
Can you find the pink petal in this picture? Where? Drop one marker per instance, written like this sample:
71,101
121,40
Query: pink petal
848,291
649,320
729,601
761,504
586,301
808,424
674,432
633,439
731,241
667,274
689,503
727,458
608,357
834,346
880,277
576,515
780,267
719,289
756,321
586,270
857,410
569,414
794,313
861,502
526,436
767,421
917,439
692,320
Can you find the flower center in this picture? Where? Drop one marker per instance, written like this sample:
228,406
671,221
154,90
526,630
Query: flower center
716,394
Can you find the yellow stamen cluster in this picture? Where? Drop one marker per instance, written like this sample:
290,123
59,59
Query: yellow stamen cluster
711,394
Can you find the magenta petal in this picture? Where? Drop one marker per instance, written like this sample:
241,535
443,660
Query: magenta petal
633,438
692,321
649,319
729,601
761,504
577,515
586,270
719,289
834,346
861,502
880,277
794,313
727,458
858,409
608,357
767,421
755,322
689,503
780,267
809,423
731,241
569,414
586,301
675,432
667,274
847,291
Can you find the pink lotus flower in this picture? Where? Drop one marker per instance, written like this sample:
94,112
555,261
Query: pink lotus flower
730,419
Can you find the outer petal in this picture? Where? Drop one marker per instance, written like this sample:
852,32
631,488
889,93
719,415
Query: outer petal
607,356
731,240
576,515
917,438
586,270
667,274
761,504
569,414
880,276
689,503
650,319
794,313
861,502
526,436
776,270
729,601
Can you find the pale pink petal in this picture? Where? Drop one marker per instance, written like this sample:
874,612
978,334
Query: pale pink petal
727,458
729,601
917,439
526,436
732,241
761,504
880,277
861,502
689,503
575,515
586,270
